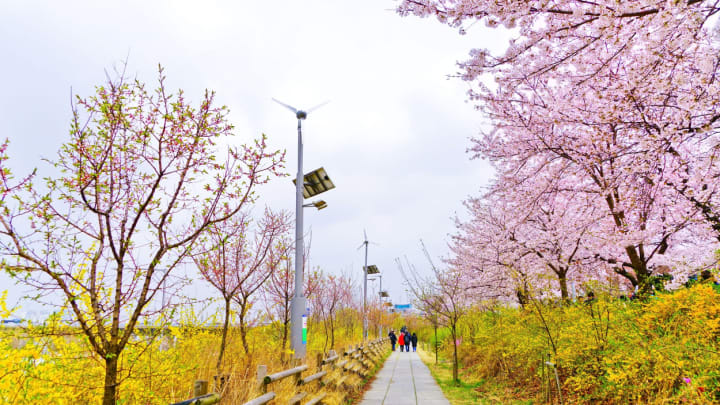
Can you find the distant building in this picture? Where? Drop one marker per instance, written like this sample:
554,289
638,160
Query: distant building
12,322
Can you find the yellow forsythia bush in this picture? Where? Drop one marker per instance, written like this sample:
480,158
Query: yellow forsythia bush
607,350
53,363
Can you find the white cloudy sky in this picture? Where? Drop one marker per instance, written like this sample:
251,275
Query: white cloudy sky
393,137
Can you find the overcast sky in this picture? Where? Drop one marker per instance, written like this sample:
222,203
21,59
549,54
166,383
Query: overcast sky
392,138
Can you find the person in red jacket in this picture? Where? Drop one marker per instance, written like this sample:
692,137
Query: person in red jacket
401,341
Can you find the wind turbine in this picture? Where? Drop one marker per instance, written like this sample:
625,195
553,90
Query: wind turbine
300,114
365,274
298,315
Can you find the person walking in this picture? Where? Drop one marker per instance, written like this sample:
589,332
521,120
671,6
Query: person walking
401,341
393,339
407,340
413,339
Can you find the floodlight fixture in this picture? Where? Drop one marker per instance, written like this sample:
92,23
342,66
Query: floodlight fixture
320,204
371,269
316,182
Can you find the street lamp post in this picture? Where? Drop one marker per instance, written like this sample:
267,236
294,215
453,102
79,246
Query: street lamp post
372,269
298,312
380,292
380,300
365,274
298,305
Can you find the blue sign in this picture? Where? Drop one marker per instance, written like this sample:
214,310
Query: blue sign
402,306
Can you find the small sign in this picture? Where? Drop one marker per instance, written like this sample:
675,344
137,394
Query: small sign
304,329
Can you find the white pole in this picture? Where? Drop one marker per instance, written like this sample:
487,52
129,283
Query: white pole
382,308
365,270
298,315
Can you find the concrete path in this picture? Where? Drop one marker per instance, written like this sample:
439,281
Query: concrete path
404,380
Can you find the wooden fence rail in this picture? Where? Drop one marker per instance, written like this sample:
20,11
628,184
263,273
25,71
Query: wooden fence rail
208,399
358,360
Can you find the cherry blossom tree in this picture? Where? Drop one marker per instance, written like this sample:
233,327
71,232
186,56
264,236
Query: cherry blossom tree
280,289
333,295
578,40
488,263
599,163
237,258
246,297
620,98
140,179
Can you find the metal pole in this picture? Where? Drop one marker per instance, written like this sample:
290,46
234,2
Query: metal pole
380,293
298,315
382,308
365,270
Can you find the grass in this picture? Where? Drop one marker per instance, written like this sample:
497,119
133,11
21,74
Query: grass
469,390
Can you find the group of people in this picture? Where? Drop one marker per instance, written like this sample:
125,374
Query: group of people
404,339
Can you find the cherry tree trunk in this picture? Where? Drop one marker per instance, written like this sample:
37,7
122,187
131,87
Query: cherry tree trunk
284,339
436,342
562,278
223,342
243,331
456,378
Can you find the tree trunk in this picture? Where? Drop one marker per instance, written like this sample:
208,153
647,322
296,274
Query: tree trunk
243,330
637,261
111,372
436,343
224,335
284,339
522,297
639,265
456,378
562,278
327,336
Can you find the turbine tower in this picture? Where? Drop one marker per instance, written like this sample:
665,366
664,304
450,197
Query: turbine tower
365,274
298,306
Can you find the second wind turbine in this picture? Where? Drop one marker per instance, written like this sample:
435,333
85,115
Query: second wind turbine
372,269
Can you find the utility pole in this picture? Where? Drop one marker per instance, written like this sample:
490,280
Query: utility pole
298,305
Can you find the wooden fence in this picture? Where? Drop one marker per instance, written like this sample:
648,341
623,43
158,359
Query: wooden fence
358,360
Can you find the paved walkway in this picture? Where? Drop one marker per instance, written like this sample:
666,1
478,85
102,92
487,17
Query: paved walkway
404,380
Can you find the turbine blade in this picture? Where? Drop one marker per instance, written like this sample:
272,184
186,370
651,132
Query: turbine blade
285,105
317,106
365,234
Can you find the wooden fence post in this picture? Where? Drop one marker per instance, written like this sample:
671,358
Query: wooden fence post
261,373
200,388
